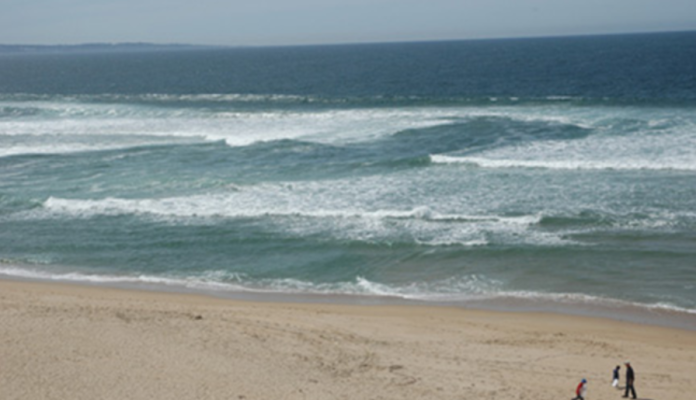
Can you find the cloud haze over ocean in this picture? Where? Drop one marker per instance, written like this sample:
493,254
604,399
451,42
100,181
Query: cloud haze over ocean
281,22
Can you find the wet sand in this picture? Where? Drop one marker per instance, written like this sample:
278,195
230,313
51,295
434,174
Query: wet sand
61,341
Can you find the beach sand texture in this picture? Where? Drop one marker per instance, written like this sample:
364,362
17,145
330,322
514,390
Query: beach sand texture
77,342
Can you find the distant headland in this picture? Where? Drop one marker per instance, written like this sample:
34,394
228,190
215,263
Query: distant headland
96,47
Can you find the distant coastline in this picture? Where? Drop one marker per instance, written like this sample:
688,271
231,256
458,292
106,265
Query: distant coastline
105,47
97,47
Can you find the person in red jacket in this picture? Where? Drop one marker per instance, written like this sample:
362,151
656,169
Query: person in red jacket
580,391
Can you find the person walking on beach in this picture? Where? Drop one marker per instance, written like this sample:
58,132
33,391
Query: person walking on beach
630,379
580,391
615,381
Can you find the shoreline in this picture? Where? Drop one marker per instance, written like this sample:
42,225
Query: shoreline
64,340
581,306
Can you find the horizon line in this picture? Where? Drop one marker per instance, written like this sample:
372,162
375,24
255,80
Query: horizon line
347,43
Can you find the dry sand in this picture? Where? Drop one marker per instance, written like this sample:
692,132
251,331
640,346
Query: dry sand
61,341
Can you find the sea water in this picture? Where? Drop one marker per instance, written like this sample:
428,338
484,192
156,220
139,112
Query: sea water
552,173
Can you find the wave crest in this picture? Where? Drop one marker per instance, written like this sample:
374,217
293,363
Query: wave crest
419,225
482,162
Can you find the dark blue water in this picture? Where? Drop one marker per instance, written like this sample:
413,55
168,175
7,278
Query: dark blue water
560,170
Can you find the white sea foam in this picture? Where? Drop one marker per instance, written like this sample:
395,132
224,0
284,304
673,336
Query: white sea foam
567,164
414,206
234,127
83,143
360,198
347,213
630,152
225,206
124,117
209,97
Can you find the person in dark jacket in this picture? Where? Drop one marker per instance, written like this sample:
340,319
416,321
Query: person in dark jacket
615,377
630,379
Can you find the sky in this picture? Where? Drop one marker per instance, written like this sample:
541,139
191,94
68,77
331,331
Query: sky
300,22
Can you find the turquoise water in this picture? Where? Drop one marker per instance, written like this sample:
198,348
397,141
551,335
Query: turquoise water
548,171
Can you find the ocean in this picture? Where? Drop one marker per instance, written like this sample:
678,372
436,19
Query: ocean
550,174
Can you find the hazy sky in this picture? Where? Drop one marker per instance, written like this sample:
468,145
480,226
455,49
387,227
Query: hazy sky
282,22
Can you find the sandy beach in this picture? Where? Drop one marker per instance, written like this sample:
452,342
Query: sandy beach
62,341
